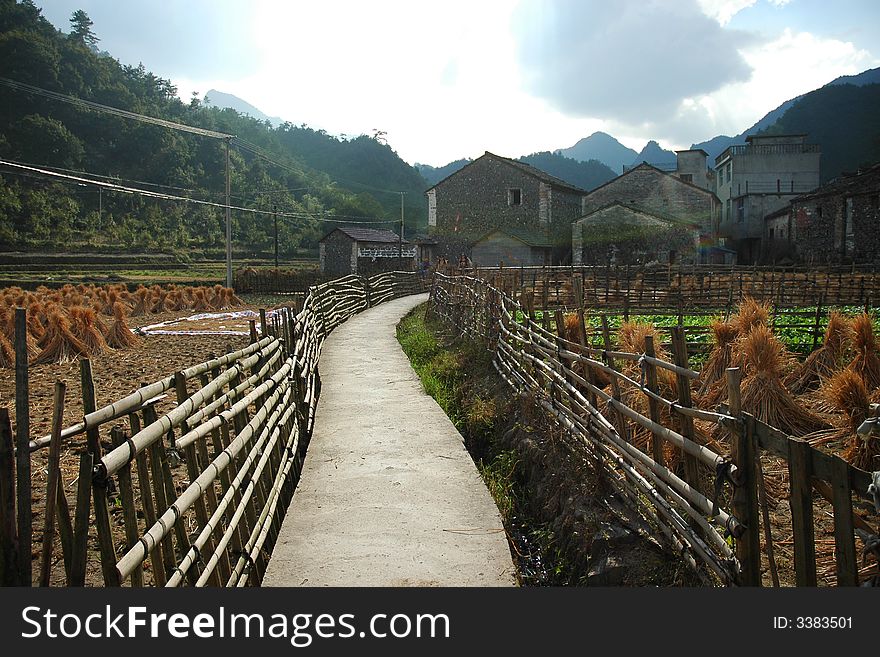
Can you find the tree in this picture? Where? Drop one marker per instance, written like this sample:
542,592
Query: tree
81,28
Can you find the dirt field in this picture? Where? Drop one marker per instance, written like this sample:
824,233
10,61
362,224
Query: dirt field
116,374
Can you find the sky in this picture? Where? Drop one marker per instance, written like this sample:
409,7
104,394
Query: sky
453,79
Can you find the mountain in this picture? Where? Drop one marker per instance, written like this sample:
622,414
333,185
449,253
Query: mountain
844,121
603,147
433,175
717,145
654,154
219,99
586,175
309,176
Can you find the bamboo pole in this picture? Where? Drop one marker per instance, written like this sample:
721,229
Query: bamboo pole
23,457
81,528
9,572
52,486
126,491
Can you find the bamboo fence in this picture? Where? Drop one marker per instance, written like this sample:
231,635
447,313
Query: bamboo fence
240,426
703,496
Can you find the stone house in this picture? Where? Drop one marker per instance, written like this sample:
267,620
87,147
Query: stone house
364,251
510,247
495,193
625,235
758,178
661,194
838,222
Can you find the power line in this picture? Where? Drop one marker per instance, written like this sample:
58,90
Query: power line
169,197
98,107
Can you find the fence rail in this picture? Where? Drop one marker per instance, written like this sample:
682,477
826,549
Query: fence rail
194,495
695,473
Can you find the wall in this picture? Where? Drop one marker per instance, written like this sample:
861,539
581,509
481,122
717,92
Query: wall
655,191
338,254
474,201
500,248
820,226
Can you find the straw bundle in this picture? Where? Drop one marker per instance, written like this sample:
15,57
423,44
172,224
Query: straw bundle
826,360
763,393
200,302
713,382
750,313
7,353
866,362
120,336
84,326
847,393
142,302
7,320
61,345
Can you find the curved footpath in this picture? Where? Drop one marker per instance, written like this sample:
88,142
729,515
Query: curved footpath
388,495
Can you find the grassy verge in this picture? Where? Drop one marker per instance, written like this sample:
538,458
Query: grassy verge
459,376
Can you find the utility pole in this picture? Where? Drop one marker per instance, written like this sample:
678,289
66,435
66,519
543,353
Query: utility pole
400,239
275,217
100,205
228,223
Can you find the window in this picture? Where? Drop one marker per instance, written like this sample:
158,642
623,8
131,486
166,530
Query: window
514,196
875,202
720,176
729,171
727,210
772,236
740,210
687,177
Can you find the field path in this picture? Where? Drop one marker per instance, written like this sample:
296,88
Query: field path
388,495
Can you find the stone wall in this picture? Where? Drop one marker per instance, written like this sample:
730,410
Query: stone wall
338,254
653,190
477,199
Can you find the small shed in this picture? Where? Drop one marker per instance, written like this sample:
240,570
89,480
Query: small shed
364,251
510,247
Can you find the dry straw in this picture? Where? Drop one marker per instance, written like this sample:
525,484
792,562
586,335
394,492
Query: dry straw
827,359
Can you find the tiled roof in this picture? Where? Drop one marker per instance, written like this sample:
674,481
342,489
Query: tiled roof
368,235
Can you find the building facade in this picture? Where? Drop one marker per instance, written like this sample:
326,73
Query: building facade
497,193
663,194
756,179
364,251
838,222
623,235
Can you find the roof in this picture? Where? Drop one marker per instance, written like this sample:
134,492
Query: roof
694,150
528,169
633,209
781,212
843,184
761,136
645,165
367,235
527,237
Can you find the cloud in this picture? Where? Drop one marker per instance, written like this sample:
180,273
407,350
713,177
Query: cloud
724,10
632,60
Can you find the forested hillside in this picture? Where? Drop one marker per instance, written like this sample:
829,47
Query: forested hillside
843,119
302,172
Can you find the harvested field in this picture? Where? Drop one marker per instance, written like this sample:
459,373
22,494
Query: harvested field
116,373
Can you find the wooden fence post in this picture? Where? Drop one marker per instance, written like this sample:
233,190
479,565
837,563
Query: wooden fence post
801,501
129,514
653,407
52,484
81,528
844,541
679,350
264,325
23,452
622,428
9,572
745,502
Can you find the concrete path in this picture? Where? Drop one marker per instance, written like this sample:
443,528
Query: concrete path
388,495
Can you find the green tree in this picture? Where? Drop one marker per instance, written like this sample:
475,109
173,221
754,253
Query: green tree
81,28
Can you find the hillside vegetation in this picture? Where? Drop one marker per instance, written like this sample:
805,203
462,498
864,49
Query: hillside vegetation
306,173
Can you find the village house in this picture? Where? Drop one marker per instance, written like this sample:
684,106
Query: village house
756,179
496,207
624,235
838,222
364,251
672,204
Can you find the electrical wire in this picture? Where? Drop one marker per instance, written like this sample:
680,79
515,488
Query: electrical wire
169,197
98,107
